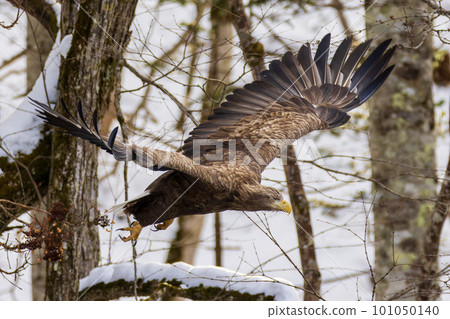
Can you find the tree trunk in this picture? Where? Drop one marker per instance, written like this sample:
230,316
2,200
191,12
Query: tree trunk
39,45
185,244
91,73
429,288
221,57
253,50
401,140
300,209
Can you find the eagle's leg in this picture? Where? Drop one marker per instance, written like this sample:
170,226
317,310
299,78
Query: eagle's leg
164,225
135,230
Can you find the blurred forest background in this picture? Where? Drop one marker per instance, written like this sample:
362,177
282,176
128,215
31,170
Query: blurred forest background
370,200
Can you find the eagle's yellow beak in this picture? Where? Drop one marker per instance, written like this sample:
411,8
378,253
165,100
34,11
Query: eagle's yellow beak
283,205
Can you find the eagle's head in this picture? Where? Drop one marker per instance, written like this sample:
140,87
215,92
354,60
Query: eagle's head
256,197
277,202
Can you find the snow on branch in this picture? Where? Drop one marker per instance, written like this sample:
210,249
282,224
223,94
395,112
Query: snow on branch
183,280
21,130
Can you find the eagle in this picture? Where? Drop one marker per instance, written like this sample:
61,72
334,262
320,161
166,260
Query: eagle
220,165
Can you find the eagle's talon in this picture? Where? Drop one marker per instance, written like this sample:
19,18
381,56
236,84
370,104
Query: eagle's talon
164,225
134,230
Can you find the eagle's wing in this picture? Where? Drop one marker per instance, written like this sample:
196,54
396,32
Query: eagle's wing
295,96
141,155
298,94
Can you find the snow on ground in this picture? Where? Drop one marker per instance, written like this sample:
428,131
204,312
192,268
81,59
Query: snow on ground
193,276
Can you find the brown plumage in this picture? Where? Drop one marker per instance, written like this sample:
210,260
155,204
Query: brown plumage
297,95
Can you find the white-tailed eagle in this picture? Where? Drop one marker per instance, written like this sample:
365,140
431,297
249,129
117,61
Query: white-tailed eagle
220,166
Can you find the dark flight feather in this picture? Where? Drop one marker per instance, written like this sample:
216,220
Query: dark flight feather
375,70
369,63
352,61
321,57
74,127
339,58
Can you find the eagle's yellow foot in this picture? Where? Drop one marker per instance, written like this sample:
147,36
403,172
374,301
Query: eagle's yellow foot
135,230
164,225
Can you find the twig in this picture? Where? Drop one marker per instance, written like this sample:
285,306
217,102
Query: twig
19,14
12,59
145,79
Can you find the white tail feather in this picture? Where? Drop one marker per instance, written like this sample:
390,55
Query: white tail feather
120,207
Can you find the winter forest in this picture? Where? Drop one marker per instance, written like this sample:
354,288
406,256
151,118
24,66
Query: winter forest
370,199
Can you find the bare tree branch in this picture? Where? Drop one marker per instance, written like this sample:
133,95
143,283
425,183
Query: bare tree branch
145,79
42,11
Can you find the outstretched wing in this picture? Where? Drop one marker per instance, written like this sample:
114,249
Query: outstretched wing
143,156
296,95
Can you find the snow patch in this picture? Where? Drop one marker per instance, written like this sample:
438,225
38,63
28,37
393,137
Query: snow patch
193,276
57,9
21,130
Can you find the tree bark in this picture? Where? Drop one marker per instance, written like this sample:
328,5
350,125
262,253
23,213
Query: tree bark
300,209
429,288
221,35
253,50
91,73
401,140
184,246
